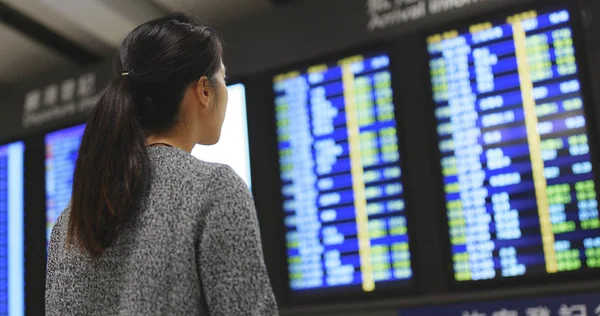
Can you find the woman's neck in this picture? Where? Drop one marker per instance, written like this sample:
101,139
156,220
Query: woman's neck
178,142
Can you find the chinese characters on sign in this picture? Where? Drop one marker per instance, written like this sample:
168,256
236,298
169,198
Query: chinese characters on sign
573,305
538,311
56,101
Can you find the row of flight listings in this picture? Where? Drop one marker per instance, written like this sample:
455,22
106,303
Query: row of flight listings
517,171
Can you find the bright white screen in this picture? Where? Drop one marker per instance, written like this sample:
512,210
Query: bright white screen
232,149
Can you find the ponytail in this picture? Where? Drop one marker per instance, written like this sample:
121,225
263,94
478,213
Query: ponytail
112,169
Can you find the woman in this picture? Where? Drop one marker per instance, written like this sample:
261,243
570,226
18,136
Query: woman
150,229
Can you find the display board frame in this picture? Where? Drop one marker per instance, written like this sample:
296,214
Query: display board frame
591,129
331,295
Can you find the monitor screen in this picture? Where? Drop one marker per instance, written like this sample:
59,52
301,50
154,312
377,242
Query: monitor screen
517,171
232,149
12,234
62,148
342,182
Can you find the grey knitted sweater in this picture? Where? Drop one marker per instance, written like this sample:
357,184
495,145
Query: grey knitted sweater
193,249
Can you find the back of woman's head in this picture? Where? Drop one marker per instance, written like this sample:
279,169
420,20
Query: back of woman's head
155,65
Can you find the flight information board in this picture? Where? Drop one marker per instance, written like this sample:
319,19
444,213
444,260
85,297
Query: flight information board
62,149
12,234
342,181
518,175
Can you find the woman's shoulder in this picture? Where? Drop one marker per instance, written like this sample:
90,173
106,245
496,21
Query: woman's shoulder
225,178
176,163
60,226
207,177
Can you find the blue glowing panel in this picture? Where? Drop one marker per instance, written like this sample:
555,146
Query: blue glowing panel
343,191
12,235
62,148
518,174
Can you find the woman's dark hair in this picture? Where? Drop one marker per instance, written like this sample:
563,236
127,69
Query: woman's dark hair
156,63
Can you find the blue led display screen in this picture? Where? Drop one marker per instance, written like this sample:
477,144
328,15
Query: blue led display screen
12,234
518,174
343,191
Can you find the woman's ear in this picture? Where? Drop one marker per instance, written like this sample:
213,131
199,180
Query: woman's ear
203,92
